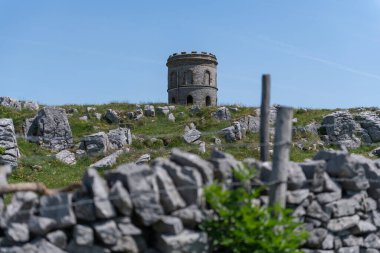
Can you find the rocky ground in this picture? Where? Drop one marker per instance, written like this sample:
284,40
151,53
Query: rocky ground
45,142
335,194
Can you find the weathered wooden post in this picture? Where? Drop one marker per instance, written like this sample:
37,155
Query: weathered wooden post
282,144
264,118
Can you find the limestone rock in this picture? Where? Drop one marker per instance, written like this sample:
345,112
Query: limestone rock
164,110
186,242
234,132
171,117
340,224
17,232
51,129
107,232
188,159
191,134
83,235
187,178
145,158
95,144
111,116
170,199
107,161
168,225
40,225
29,105
120,199
272,114
58,207
66,157
58,238
316,238
8,142
190,216
370,122
120,137
341,128
10,103
250,123
222,113
84,118
149,111
139,179
97,186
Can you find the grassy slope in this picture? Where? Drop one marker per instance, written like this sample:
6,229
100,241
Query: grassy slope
37,164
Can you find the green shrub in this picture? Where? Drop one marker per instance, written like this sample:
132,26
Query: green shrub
241,227
2,150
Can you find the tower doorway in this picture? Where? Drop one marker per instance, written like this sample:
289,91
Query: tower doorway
189,100
208,101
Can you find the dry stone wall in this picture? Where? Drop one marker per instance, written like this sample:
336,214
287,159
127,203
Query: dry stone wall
158,207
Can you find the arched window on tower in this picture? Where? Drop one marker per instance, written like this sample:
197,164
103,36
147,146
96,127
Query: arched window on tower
207,78
188,77
173,100
173,79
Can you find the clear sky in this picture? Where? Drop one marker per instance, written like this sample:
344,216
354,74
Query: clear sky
323,53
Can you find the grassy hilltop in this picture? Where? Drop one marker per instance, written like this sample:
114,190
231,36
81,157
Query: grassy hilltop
38,164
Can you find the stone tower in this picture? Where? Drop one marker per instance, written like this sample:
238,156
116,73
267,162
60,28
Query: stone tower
192,78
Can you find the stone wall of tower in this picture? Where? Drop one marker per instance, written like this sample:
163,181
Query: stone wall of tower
192,79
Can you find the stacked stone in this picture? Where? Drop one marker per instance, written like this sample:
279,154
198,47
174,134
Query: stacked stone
336,196
158,207
134,208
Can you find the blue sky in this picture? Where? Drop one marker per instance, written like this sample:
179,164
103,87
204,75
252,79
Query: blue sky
323,53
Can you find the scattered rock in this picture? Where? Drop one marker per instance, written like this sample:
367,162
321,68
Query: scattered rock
66,157
98,116
107,161
340,128
10,103
111,116
171,117
9,152
234,132
149,111
95,144
51,129
143,159
163,110
120,137
83,118
222,114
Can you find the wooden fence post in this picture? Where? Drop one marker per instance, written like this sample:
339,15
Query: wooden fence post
264,118
282,144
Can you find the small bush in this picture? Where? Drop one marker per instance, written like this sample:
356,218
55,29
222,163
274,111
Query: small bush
2,150
241,227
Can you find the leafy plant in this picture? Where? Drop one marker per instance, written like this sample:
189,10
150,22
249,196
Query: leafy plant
239,226
2,150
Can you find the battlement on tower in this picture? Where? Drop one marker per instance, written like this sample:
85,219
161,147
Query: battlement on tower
193,55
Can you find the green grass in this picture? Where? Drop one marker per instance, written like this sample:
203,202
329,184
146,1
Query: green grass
38,164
